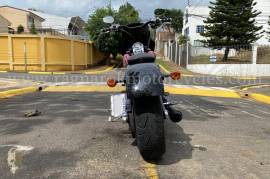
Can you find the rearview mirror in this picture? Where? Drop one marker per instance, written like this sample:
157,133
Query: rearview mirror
108,19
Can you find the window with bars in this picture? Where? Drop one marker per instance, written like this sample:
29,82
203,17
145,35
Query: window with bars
187,32
200,29
31,21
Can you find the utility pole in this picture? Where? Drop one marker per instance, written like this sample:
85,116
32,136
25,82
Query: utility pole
188,2
110,4
110,7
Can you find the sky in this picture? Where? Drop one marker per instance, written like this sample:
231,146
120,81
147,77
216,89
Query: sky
83,8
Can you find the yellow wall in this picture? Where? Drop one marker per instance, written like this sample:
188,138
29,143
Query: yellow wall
57,51
32,47
4,62
46,53
98,56
79,53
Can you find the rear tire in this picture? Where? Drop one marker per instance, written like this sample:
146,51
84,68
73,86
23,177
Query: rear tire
149,122
150,136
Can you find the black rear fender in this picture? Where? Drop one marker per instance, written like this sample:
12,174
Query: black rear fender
144,80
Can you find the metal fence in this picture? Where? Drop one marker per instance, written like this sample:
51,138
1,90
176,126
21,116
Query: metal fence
177,53
263,54
60,32
237,54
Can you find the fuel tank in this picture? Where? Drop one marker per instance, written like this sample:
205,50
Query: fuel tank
144,79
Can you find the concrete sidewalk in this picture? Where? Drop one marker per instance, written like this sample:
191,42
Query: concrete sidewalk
264,90
10,87
10,84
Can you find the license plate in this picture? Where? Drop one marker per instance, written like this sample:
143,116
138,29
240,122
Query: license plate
118,105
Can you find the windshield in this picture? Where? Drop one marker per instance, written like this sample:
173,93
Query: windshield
140,34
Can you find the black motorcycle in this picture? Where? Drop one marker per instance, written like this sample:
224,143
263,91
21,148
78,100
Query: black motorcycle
146,105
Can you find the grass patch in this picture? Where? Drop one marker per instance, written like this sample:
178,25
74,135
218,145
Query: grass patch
241,57
170,66
167,64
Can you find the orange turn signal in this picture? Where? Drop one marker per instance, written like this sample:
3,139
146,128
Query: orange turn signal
175,75
111,83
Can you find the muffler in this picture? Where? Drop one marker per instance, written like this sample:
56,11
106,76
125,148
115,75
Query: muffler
175,116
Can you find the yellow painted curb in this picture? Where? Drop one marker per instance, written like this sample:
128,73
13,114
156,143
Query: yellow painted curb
202,92
254,86
83,89
246,78
171,90
47,73
40,73
151,170
186,75
100,71
63,73
59,73
3,71
15,92
247,88
260,98
237,77
164,69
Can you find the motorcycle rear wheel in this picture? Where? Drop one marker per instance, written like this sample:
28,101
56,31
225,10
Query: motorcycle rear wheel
149,122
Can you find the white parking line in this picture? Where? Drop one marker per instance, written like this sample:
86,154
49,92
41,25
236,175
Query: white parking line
15,156
263,111
254,115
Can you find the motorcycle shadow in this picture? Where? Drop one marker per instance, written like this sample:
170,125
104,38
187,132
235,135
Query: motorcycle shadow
178,145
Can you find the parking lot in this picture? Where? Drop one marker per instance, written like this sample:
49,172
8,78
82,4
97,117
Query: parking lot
72,138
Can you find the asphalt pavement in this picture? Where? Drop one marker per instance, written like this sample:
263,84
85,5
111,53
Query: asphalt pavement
72,138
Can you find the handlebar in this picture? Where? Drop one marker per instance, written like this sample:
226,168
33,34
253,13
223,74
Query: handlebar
153,23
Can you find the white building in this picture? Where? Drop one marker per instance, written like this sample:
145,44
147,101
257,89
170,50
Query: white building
262,20
194,16
70,26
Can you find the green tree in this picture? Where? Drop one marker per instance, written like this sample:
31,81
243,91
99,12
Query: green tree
94,26
109,43
20,29
127,14
175,14
182,39
33,29
231,23
95,21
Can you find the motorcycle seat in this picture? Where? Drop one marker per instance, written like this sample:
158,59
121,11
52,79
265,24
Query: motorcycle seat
141,58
